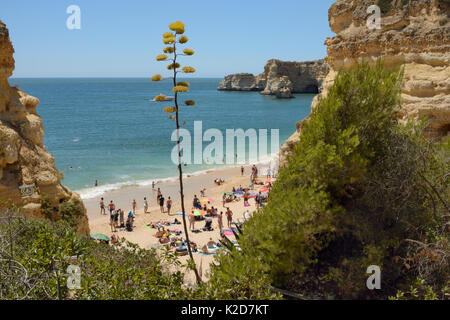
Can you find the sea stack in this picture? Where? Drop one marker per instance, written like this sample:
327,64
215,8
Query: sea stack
280,78
27,170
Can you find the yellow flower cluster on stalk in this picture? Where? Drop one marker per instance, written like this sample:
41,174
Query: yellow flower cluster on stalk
161,57
170,109
183,83
183,39
168,50
178,27
188,69
160,97
169,40
188,52
173,65
180,89
156,77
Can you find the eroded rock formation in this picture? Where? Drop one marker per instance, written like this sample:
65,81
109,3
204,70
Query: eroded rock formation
414,34
280,78
27,170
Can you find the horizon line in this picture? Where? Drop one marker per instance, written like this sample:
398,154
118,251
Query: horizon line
103,77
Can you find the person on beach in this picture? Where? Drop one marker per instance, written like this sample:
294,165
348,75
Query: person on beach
96,183
121,217
159,195
246,204
102,206
211,244
134,206
196,203
112,207
242,170
224,200
130,221
191,220
145,205
169,205
111,221
161,203
229,214
114,238
153,185
116,220
220,221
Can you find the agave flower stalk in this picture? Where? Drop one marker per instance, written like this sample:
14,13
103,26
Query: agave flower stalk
172,38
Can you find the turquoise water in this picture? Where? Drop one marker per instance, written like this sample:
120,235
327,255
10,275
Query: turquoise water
108,130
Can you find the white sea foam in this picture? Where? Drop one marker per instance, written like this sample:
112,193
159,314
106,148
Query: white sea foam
270,161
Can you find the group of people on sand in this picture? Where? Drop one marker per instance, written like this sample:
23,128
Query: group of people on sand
160,200
219,181
117,217
211,212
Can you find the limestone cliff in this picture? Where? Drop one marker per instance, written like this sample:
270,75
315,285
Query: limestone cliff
280,78
414,34
27,170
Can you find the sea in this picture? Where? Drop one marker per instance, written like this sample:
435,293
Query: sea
109,130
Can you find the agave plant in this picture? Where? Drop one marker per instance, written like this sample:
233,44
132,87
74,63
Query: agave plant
171,53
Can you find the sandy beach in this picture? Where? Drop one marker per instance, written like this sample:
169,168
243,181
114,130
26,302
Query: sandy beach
144,236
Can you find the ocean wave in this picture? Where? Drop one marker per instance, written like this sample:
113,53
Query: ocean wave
270,162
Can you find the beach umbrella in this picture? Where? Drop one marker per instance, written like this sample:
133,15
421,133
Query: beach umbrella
207,200
100,236
239,192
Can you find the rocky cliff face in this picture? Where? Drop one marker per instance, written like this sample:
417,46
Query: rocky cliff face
27,171
280,78
414,34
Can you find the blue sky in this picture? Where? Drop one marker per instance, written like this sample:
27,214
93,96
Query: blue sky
121,38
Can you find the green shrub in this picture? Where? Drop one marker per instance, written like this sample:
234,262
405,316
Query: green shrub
34,265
